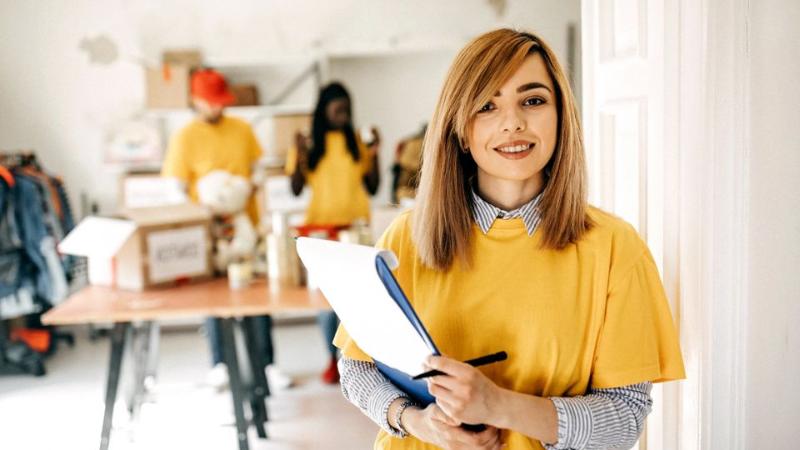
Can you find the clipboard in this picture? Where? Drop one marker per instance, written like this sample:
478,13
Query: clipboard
417,389
348,273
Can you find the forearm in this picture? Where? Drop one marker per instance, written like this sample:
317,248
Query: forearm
530,415
298,181
364,386
603,419
373,178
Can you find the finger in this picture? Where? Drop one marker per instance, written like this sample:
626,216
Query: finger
448,365
439,391
448,408
441,416
495,442
473,440
486,438
451,383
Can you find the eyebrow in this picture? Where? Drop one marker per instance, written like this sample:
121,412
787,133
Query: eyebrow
528,87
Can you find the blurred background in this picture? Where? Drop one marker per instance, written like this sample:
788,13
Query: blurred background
688,109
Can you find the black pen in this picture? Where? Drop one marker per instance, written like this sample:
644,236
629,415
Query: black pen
482,361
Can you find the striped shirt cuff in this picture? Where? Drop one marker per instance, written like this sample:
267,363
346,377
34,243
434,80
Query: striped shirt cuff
364,386
604,418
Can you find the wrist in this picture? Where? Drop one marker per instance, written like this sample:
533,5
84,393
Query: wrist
409,419
500,408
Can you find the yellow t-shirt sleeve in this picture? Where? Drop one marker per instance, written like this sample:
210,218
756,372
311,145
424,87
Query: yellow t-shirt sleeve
348,346
176,163
394,239
254,148
638,341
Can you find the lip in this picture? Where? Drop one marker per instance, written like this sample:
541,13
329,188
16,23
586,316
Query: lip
518,155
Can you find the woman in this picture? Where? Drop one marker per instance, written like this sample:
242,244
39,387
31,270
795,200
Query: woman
342,172
503,253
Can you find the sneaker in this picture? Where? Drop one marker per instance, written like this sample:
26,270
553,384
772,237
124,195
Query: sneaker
217,377
277,380
331,374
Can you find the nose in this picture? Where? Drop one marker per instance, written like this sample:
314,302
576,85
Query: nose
513,122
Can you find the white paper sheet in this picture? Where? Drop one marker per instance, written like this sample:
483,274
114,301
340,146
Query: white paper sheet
347,276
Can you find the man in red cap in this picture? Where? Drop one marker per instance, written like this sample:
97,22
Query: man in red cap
214,141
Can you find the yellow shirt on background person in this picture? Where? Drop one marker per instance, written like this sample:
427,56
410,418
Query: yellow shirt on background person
593,315
338,195
201,147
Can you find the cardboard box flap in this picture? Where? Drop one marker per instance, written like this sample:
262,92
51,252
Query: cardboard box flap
166,215
188,57
97,237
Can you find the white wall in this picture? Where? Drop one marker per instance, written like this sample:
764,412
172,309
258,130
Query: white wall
774,295
54,101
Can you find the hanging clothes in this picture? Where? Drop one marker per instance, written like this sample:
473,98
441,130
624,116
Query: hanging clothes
34,216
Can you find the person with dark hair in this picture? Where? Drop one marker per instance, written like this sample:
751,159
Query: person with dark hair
342,173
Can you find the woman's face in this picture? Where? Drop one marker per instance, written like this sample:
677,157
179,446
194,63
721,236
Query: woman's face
338,112
513,136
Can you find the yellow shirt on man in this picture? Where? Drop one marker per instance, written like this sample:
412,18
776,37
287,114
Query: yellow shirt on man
593,315
201,147
338,195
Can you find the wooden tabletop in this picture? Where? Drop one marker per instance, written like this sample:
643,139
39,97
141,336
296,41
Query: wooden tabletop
209,298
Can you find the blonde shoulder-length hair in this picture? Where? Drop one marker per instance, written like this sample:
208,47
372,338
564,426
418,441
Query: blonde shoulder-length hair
442,220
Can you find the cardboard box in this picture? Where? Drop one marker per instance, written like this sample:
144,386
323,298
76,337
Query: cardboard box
145,247
278,195
148,190
285,127
246,94
168,86
188,58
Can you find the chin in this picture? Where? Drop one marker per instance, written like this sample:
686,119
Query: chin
514,173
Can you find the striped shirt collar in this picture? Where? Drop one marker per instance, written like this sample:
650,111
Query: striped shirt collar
485,213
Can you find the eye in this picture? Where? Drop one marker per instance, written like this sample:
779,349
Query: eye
486,108
533,101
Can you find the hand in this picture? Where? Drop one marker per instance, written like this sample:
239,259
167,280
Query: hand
376,140
433,426
300,142
464,393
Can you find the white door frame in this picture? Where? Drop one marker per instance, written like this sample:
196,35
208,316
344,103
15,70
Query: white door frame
709,127
706,98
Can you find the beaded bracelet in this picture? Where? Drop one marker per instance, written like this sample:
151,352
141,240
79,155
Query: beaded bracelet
406,403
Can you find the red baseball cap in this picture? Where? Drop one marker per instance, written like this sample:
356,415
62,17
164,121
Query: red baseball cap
210,85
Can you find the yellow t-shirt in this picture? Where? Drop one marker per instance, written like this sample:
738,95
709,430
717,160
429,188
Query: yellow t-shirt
200,148
338,196
593,315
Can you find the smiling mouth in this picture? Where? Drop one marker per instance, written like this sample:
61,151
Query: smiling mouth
514,148
515,151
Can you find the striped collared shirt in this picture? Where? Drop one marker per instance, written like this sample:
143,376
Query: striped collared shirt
485,213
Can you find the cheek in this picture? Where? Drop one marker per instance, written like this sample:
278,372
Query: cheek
547,126
479,134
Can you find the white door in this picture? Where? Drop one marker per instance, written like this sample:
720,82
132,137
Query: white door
623,118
